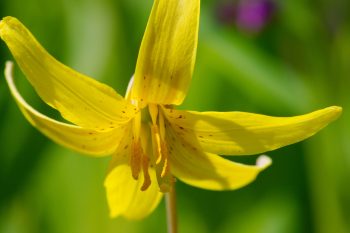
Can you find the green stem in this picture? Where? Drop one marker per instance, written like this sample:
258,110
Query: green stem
170,203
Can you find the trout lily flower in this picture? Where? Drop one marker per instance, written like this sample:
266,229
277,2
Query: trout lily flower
150,141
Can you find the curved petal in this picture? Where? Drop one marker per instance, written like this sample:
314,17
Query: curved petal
209,171
240,133
80,99
83,140
167,54
124,193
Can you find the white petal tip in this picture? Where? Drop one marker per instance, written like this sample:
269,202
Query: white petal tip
9,64
263,161
8,71
131,83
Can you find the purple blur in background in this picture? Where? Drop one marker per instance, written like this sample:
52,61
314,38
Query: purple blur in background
249,16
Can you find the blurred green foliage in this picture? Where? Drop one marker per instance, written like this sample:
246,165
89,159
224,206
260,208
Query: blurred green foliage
298,62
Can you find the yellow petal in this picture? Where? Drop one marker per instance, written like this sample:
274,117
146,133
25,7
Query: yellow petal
124,193
209,171
167,54
79,139
240,133
80,99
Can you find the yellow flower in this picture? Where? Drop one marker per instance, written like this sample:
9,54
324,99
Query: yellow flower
150,141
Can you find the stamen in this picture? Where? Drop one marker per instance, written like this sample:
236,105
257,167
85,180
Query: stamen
165,154
160,149
160,153
146,176
164,174
136,148
156,142
135,160
153,111
137,125
161,126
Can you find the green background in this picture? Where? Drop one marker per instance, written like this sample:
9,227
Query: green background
298,63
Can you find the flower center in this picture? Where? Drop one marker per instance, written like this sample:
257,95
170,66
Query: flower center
146,124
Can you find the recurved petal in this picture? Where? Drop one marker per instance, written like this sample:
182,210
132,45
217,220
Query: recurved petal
83,140
80,99
207,170
241,133
124,194
167,54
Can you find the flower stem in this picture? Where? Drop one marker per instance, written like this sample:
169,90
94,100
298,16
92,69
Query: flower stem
170,203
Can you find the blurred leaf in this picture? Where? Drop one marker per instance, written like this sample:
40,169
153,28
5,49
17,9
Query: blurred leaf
268,82
275,213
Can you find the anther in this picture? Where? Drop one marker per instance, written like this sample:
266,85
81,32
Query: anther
146,177
165,153
135,159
